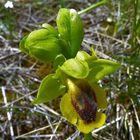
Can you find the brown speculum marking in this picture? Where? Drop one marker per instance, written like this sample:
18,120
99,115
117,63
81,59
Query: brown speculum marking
84,102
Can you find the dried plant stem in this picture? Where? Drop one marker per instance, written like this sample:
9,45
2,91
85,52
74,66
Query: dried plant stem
117,116
8,113
136,114
34,131
106,125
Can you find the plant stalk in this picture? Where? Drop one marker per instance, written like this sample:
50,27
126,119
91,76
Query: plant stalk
62,3
134,32
88,136
93,6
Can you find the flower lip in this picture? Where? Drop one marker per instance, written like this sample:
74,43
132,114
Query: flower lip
81,103
84,102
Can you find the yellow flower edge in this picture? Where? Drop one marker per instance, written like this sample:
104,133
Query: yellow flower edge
86,128
67,109
100,96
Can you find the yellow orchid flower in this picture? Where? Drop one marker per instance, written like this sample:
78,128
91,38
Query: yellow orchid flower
81,103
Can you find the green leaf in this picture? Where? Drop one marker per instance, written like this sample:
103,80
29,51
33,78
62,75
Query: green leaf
75,68
100,68
49,89
70,28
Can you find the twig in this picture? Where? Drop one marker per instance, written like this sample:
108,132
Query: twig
20,98
115,39
130,124
14,52
73,136
104,126
39,136
137,118
117,116
33,131
49,122
8,113
56,128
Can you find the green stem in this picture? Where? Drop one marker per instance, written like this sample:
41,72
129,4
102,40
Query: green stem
93,6
88,136
134,34
62,3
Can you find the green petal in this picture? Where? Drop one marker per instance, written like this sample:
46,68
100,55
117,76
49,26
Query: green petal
82,55
86,128
59,60
67,109
100,96
49,89
75,68
100,68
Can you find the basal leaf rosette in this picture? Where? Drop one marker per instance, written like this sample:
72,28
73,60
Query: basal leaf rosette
81,103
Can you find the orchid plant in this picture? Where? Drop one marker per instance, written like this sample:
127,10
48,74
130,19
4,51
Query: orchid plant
76,73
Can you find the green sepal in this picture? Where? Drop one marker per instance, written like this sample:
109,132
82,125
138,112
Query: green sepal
93,54
100,68
49,89
63,23
70,28
45,50
65,48
75,68
22,45
43,44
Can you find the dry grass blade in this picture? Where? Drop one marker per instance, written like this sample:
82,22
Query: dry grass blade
9,114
